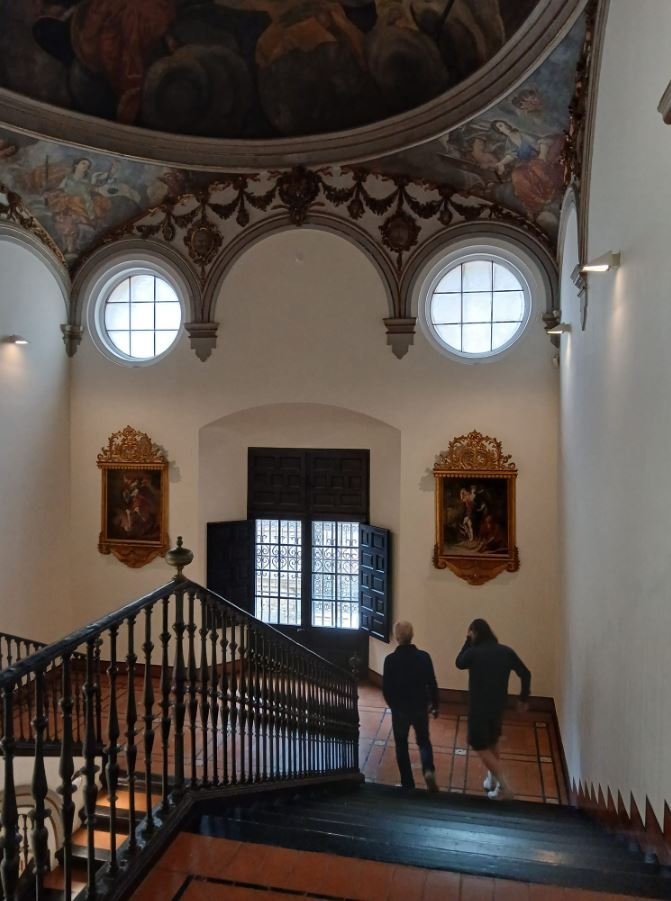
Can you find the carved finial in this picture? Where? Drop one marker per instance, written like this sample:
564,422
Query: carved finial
179,557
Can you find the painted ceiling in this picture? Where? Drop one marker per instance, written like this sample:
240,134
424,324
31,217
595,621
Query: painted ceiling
509,158
250,69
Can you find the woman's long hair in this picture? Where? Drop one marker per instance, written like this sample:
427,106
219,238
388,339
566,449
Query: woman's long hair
482,631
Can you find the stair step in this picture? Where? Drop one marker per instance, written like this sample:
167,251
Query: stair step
549,868
411,827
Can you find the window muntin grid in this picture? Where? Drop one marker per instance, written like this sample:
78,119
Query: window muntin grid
141,316
278,571
335,574
478,307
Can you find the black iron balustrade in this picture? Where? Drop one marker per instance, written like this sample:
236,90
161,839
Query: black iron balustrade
177,692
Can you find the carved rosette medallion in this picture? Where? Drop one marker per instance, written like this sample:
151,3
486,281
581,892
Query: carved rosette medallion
134,510
399,232
475,509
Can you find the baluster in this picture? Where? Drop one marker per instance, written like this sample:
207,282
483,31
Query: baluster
25,842
165,705
283,708
148,701
234,702
252,699
242,694
90,769
223,695
2,656
113,733
77,693
9,868
39,835
99,714
302,714
179,689
264,700
131,747
293,722
66,770
257,704
204,698
270,705
25,700
278,709
214,704
193,688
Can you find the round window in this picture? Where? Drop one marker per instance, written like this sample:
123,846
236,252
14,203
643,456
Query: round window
477,305
139,316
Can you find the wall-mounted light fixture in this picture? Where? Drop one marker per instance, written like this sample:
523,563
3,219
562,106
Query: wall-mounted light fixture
559,328
604,263
14,339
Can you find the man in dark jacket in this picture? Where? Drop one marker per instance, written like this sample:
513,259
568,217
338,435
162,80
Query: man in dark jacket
409,687
489,665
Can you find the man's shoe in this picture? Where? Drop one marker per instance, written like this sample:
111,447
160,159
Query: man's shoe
490,782
500,793
430,779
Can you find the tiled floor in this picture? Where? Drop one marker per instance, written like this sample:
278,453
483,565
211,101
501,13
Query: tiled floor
200,868
529,749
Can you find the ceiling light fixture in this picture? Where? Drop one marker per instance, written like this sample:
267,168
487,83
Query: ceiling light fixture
15,339
604,263
559,329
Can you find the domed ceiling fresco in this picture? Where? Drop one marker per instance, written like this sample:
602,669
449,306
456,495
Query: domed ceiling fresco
249,69
510,157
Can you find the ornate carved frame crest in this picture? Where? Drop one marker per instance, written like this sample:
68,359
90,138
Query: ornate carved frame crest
475,509
134,512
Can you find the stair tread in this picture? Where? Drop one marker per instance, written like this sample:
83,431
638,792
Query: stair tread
547,868
411,824
443,839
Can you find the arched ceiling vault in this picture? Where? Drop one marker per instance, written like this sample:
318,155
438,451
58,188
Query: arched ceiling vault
496,142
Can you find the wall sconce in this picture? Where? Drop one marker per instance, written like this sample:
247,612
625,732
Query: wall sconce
14,339
559,329
604,263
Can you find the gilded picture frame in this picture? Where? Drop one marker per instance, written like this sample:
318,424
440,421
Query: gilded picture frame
475,509
134,508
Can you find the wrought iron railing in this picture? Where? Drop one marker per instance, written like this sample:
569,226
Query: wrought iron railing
179,691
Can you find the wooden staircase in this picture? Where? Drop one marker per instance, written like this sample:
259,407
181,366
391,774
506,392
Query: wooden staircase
54,880
547,844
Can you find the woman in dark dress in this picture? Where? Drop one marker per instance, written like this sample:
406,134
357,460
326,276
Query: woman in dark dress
489,665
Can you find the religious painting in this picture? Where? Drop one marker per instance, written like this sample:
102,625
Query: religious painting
475,509
248,68
134,498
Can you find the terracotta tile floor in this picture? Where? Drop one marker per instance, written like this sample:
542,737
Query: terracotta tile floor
200,868
529,748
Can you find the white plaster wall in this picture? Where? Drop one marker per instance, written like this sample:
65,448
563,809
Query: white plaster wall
34,450
301,323
616,433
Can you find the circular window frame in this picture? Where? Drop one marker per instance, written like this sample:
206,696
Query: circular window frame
496,250
106,281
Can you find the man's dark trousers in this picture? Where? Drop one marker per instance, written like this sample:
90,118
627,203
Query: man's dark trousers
401,721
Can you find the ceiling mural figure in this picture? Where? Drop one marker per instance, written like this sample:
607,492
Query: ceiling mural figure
248,68
513,153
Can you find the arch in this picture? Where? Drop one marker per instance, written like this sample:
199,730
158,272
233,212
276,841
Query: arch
570,209
529,247
570,215
130,251
15,234
351,232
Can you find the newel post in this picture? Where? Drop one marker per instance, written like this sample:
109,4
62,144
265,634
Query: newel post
179,557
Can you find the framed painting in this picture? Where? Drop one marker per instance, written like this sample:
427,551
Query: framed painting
134,510
475,509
